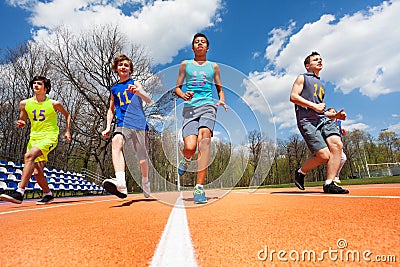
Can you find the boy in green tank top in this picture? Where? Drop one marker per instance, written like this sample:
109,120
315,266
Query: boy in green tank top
42,113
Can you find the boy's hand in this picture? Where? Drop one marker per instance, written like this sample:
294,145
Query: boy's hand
21,124
222,103
132,88
320,108
188,96
106,132
67,136
341,115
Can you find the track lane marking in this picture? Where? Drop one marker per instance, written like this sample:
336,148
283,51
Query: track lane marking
315,195
175,248
50,206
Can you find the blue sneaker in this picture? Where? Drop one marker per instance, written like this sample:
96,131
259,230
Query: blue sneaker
199,195
183,166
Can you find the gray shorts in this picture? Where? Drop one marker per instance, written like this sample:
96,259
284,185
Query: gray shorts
315,134
195,118
138,138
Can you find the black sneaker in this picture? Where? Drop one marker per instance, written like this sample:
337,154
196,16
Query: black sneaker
14,197
299,180
47,199
332,188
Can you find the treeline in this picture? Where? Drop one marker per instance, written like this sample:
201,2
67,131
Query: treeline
78,66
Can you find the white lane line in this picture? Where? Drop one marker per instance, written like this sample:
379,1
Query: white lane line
175,247
315,195
339,195
54,206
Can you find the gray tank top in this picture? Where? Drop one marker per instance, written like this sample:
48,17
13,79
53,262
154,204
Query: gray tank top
314,91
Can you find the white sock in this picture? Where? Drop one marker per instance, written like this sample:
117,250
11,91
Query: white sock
49,194
145,180
328,181
301,171
120,176
21,190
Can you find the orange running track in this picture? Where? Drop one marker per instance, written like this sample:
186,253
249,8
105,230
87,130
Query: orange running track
270,227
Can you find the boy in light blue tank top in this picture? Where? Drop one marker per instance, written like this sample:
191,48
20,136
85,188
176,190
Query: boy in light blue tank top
199,111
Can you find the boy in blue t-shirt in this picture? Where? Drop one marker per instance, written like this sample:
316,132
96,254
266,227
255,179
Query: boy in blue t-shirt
131,126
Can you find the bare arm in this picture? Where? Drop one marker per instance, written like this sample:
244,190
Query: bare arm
23,116
296,98
138,90
218,85
110,116
179,82
59,107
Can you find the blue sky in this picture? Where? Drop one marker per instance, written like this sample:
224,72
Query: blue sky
265,41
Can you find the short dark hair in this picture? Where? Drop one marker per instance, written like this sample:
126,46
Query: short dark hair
119,58
199,34
307,60
46,82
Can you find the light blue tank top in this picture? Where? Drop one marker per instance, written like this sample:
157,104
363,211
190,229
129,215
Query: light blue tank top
199,79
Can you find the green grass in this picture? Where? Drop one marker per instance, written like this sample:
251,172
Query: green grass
361,181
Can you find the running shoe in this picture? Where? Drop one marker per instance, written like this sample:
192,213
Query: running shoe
146,189
199,195
47,199
332,188
183,166
299,180
14,197
113,187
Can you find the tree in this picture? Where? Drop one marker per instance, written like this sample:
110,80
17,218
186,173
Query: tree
389,142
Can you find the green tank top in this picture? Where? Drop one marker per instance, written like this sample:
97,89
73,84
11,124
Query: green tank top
43,118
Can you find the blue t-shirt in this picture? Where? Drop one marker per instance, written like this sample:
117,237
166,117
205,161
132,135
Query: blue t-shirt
314,91
128,107
199,79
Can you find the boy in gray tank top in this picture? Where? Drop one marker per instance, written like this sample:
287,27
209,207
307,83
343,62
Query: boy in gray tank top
319,132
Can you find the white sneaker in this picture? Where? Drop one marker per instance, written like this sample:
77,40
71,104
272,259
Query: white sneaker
337,180
146,188
113,187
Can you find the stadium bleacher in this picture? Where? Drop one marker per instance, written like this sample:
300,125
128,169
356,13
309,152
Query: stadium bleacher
61,182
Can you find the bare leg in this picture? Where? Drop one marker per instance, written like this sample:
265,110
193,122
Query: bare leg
204,142
117,153
342,162
144,167
40,177
319,158
29,166
335,148
189,146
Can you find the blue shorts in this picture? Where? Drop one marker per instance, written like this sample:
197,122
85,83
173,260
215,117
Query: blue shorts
315,134
195,118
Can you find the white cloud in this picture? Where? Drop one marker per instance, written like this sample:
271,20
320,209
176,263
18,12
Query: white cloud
394,128
360,52
351,124
163,27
